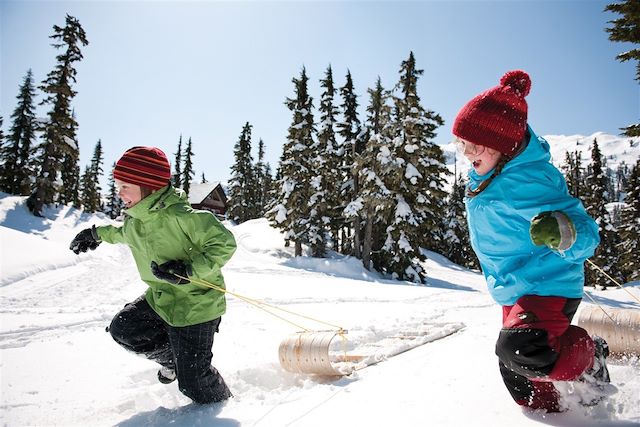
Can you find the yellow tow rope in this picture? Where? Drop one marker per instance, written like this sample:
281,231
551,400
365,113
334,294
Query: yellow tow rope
263,305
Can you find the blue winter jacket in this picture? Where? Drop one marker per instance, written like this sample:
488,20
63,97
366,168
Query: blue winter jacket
499,219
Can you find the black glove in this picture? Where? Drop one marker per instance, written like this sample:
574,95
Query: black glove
85,240
168,270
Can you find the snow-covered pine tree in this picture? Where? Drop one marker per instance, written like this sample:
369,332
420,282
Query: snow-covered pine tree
69,191
91,198
88,190
59,129
573,173
606,255
188,173
325,204
290,209
418,184
177,166
352,144
264,183
627,29
457,234
372,204
241,184
114,204
16,167
630,228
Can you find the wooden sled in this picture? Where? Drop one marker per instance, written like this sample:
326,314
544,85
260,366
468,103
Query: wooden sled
308,353
623,336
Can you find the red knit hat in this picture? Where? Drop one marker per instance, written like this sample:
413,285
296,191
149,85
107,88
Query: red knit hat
497,118
143,166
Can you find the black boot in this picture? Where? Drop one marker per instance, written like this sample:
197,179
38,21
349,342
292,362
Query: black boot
166,375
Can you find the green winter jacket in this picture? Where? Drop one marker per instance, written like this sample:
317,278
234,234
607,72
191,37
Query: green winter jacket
164,227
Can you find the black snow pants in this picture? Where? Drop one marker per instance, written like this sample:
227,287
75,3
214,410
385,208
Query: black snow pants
186,350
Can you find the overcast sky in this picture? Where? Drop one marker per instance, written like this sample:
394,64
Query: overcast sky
154,70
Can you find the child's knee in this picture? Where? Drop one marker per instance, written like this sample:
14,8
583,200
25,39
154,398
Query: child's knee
526,351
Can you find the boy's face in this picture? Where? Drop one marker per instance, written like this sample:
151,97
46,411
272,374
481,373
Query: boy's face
130,194
482,158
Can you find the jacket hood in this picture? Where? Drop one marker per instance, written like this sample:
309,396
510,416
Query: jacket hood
537,150
161,199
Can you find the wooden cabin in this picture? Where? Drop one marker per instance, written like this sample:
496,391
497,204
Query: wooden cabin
208,196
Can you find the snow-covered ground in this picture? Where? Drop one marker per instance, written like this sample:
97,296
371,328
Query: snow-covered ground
58,366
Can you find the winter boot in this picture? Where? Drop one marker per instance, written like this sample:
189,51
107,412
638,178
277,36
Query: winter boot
594,385
599,371
166,375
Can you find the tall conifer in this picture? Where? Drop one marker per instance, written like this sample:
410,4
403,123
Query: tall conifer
352,144
188,173
59,129
290,210
16,168
606,255
417,181
241,196
114,204
627,29
630,228
372,202
177,166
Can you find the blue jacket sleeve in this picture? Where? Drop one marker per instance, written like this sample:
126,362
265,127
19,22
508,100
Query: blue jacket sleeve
545,189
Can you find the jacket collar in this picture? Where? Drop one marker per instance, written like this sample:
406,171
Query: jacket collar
537,149
149,204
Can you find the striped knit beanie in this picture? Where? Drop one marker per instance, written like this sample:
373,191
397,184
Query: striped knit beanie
497,118
144,166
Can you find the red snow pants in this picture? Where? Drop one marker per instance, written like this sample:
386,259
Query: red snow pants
538,345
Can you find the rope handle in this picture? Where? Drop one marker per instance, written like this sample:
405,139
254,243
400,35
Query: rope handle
262,305
612,279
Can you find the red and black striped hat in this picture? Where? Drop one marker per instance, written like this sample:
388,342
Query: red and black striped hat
143,166
497,118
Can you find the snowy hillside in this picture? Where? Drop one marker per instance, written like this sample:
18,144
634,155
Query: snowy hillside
59,367
615,149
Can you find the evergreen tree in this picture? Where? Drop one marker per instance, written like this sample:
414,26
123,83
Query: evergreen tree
325,205
418,181
627,29
114,204
372,202
606,255
59,130
264,182
177,166
352,144
290,209
15,157
457,234
241,184
91,198
630,229
89,194
69,188
188,172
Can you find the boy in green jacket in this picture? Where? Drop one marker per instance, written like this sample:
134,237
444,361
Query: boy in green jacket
174,322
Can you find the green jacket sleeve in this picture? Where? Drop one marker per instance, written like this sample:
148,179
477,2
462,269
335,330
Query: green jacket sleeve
110,234
213,243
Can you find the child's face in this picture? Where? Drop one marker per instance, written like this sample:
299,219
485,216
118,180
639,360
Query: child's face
482,158
130,194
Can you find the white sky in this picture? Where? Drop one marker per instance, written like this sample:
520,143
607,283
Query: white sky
154,70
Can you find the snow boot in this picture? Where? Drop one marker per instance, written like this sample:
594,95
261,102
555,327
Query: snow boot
594,385
166,375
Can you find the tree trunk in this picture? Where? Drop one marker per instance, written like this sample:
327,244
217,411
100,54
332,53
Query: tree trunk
366,244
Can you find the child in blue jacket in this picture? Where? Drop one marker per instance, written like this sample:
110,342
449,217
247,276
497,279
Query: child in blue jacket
531,238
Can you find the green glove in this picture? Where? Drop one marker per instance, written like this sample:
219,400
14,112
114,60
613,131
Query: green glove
553,229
